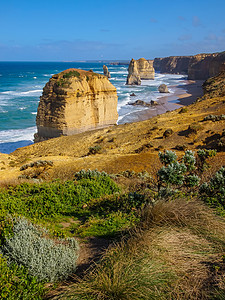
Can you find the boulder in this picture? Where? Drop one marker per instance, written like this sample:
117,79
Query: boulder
163,88
132,95
74,101
140,102
106,71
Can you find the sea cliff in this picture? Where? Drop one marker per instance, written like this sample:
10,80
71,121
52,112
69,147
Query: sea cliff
198,67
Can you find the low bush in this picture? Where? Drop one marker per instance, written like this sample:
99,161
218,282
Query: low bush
41,201
213,192
17,284
46,259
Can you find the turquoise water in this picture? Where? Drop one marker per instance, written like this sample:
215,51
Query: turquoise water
21,85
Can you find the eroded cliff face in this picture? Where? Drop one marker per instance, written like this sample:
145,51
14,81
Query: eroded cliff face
145,68
74,101
133,77
172,64
140,69
198,67
204,66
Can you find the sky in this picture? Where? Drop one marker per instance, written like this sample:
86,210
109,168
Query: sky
71,30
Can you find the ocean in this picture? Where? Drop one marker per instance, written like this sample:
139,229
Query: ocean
21,85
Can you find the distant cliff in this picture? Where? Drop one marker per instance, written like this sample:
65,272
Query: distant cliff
74,101
172,64
140,69
204,66
200,66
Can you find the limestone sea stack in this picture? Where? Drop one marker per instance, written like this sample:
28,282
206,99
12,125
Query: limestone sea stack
106,71
74,101
145,68
140,69
133,77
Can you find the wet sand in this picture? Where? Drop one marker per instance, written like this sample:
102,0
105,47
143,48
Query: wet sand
182,95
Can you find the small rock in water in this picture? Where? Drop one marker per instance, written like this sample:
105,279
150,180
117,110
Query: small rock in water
153,103
132,95
140,102
163,88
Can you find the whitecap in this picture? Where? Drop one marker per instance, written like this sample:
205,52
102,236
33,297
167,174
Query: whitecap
15,135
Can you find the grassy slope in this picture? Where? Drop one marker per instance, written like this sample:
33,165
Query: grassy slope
123,147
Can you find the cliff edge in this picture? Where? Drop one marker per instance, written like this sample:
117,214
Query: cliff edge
74,101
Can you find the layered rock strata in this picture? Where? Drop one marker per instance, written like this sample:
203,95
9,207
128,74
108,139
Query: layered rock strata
172,64
145,68
140,69
204,66
74,101
106,71
198,67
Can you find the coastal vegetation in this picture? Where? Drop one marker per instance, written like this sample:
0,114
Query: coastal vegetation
116,213
43,224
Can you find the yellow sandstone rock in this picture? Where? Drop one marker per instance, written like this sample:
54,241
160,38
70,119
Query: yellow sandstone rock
74,101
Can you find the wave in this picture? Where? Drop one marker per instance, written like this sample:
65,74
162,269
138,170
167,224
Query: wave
15,135
27,93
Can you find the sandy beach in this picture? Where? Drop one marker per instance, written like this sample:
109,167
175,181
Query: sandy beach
182,95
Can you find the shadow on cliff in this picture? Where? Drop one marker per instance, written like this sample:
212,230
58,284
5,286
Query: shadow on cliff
9,147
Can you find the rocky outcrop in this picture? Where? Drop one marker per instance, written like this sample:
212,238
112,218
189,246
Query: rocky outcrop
214,87
74,101
140,69
145,68
163,88
204,66
198,67
106,71
133,77
172,64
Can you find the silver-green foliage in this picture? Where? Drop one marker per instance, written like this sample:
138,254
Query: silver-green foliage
168,157
44,258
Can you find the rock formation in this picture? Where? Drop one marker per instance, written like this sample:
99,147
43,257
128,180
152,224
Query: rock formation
140,69
198,67
172,64
214,87
133,77
145,68
106,71
74,101
204,66
163,88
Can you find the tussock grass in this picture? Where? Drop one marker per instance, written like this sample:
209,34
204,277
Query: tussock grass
176,252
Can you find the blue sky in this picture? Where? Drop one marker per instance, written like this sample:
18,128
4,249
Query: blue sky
85,30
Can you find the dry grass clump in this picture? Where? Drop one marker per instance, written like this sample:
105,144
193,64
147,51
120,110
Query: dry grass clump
175,253
193,215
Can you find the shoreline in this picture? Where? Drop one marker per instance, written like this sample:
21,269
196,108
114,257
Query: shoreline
182,95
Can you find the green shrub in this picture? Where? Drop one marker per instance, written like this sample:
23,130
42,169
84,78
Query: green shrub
95,149
16,283
176,174
41,201
71,74
29,246
213,192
